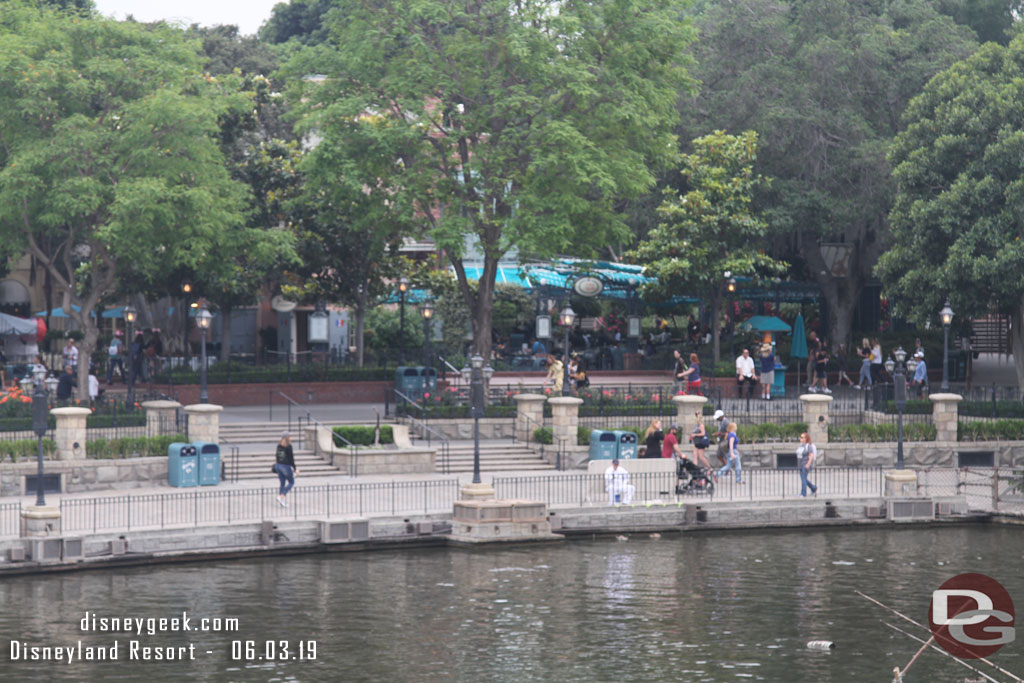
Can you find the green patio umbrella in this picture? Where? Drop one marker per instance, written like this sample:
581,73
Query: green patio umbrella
799,346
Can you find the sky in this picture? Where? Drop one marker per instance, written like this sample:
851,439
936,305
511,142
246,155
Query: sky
246,14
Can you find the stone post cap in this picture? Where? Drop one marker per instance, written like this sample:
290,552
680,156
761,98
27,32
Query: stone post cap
565,401
71,412
816,398
946,397
526,398
689,400
160,405
204,408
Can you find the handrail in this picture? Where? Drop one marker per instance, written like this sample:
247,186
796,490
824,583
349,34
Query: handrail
445,446
458,373
561,441
408,400
353,449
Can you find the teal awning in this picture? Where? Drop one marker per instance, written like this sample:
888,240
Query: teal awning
766,323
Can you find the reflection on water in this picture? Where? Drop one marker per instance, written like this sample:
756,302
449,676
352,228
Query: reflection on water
735,606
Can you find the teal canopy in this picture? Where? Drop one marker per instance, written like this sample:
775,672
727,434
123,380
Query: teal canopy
799,347
766,323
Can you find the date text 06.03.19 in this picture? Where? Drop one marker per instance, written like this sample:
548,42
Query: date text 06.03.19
272,650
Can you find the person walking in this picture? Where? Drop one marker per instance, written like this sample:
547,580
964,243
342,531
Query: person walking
843,358
66,384
678,373
670,447
652,439
820,370
699,439
733,461
285,467
806,454
920,374
114,359
556,374
721,432
767,371
876,361
71,355
692,375
865,364
745,374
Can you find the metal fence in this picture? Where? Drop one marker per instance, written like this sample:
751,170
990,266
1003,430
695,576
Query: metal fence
10,519
225,506
760,484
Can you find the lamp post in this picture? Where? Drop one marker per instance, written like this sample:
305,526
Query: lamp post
568,316
730,287
187,289
403,287
40,419
129,315
897,371
947,318
203,319
427,310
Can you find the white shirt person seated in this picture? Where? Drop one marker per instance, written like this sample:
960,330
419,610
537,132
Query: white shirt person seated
616,483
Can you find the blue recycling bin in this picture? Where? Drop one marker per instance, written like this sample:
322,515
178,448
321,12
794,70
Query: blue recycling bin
182,465
604,445
627,442
409,381
209,462
779,383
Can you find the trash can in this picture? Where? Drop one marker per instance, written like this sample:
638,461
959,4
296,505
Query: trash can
209,462
428,380
409,381
627,444
604,445
779,385
182,465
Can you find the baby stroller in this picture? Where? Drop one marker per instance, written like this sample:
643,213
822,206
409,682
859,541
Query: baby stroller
693,479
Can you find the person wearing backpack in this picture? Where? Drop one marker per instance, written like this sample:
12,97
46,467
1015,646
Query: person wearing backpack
285,467
114,359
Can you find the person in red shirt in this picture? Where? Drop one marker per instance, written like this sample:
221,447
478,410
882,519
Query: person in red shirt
671,444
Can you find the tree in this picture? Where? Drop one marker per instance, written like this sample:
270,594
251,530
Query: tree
108,155
710,230
501,125
824,84
959,213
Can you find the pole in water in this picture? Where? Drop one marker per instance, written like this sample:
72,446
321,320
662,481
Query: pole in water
821,645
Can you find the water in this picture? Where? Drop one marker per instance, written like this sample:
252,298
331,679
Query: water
709,607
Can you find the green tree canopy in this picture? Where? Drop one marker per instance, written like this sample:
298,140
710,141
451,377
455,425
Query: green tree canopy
501,124
109,158
711,229
958,218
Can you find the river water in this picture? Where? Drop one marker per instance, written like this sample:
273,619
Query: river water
698,607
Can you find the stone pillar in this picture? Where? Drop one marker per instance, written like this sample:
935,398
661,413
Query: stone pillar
945,413
816,416
529,415
70,434
40,520
204,422
686,408
565,419
161,417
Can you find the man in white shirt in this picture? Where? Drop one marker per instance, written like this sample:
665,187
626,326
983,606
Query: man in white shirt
745,373
616,483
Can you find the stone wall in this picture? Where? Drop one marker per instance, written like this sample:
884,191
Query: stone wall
374,461
462,429
87,475
915,454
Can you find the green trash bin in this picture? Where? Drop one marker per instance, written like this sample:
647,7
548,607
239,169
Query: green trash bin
627,444
209,462
182,465
779,384
428,380
409,381
604,445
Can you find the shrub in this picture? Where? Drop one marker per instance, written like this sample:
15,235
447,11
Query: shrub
769,431
913,431
25,449
997,430
544,435
132,446
362,435
583,435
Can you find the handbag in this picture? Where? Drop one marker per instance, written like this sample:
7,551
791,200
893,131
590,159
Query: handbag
702,442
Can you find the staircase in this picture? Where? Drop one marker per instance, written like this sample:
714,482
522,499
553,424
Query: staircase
495,456
257,444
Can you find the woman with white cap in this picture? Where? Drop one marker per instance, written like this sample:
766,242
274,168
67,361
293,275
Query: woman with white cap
285,467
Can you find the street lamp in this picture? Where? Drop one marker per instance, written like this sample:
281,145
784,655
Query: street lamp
947,318
474,375
403,287
900,396
567,316
130,315
203,320
427,311
40,420
187,289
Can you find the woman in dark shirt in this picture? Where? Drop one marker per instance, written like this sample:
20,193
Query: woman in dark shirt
285,467
652,438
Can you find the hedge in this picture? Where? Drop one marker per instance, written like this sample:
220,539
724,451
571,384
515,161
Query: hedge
361,435
132,446
913,431
544,435
26,448
997,430
769,431
240,373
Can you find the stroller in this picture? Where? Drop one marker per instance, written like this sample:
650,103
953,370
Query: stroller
693,479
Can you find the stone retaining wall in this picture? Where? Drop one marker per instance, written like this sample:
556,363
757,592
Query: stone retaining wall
461,429
915,454
87,475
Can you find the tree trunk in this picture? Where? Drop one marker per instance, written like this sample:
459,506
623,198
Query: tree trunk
1017,340
85,348
842,296
716,304
360,311
483,313
225,333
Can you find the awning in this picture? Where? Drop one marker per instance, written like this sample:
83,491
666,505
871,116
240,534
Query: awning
10,324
